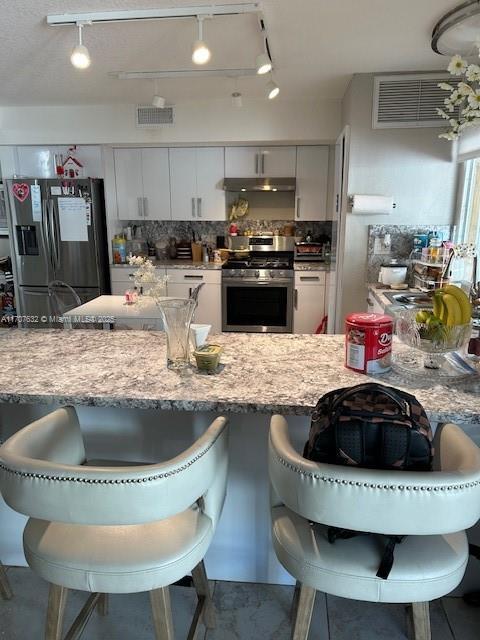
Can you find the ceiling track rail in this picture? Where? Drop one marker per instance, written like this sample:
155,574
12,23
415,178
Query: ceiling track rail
182,73
69,19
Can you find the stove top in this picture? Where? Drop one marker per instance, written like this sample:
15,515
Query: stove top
259,263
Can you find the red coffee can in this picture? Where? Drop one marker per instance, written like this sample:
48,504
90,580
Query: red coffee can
368,342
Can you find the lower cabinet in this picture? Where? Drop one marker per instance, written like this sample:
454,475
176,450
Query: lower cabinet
309,301
181,283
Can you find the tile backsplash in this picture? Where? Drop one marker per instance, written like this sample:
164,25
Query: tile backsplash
157,230
401,237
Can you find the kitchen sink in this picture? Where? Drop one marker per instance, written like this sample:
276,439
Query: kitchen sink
409,299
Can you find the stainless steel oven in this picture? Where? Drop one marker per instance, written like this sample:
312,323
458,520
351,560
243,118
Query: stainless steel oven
261,304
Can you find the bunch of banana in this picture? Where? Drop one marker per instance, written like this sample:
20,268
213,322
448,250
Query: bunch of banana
452,306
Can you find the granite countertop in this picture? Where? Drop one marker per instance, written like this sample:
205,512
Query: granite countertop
381,298
115,369
175,264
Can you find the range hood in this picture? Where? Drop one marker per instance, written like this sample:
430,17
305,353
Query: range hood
259,184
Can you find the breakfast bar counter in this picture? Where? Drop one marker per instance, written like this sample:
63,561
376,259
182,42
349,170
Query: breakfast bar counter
259,373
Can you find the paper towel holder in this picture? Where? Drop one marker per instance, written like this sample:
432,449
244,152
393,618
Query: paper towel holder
364,204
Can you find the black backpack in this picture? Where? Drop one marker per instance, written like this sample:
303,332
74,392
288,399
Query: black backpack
373,426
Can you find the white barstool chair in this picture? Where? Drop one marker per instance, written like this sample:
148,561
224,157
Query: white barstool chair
121,529
432,508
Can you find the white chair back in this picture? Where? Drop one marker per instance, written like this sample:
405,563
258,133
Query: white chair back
42,474
445,500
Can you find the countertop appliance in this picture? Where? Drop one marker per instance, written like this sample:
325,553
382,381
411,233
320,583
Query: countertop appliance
311,251
393,272
57,230
257,290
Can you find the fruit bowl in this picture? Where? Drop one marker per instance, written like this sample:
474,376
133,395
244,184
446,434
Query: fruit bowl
430,337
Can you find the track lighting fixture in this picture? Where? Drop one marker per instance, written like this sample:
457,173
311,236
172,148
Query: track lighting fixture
201,53
272,90
263,64
80,57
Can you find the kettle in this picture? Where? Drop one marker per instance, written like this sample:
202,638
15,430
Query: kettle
393,273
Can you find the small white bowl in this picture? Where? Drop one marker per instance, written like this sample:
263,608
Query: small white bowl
199,334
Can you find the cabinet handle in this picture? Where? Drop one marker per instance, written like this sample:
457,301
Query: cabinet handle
199,207
193,207
256,164
189,292
298,206
145,207
140,207
309,278
295,298
189,277
263,162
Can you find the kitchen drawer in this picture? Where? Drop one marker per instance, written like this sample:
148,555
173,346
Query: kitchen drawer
122,274
310,278
194,276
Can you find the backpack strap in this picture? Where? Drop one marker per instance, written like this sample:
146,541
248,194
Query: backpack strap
386,563
402,404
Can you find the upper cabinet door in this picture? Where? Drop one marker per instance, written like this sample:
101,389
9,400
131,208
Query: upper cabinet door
128,183
242,162
183,183
277,162
210,175
156,184
312,181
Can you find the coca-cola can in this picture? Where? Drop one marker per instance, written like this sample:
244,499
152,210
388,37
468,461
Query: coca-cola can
368,342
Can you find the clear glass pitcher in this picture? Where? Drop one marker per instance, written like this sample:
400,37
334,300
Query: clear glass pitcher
177,314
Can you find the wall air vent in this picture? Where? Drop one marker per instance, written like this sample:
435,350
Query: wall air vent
147,116
409,100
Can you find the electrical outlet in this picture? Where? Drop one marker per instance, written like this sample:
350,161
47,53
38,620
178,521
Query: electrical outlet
379,247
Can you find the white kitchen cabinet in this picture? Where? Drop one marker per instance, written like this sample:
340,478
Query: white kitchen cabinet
373,305
180,284
142,182
196,180
312,180
309,301
254,162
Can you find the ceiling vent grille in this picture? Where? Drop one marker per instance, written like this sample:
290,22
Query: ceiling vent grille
409,100
147,116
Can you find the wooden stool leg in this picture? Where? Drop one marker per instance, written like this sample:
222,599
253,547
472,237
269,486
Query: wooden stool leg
102,605
306,600
200,581
5,589
421,621
57,600
162,613
296,594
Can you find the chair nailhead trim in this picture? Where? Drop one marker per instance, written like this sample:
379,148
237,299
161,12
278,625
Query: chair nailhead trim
158,476
373,485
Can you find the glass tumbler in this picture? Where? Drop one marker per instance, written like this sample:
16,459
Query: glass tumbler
177,314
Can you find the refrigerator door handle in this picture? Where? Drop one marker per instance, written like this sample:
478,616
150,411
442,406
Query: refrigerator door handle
46,237
54,234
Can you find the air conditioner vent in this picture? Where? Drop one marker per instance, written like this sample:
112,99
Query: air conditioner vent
409,100
148,116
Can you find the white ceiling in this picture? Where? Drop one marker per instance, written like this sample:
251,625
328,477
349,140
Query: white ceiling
316,45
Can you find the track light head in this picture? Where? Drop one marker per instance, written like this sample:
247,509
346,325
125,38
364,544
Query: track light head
272,90
80,56
263,64
200,52
158,101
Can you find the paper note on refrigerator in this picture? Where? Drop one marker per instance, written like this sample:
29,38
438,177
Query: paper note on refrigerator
72,216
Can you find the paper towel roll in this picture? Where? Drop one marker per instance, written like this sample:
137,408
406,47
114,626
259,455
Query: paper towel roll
372,204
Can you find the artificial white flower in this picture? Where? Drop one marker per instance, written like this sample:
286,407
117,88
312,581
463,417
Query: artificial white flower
457,66
445,86
474,100
464,89
473,73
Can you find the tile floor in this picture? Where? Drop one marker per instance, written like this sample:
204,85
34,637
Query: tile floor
244,612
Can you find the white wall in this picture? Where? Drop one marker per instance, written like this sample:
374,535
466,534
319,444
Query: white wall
195,122
412,165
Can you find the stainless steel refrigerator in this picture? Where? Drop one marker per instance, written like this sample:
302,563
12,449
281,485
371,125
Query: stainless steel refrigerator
57,232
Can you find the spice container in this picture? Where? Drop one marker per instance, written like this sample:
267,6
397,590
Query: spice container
368,342
208,357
